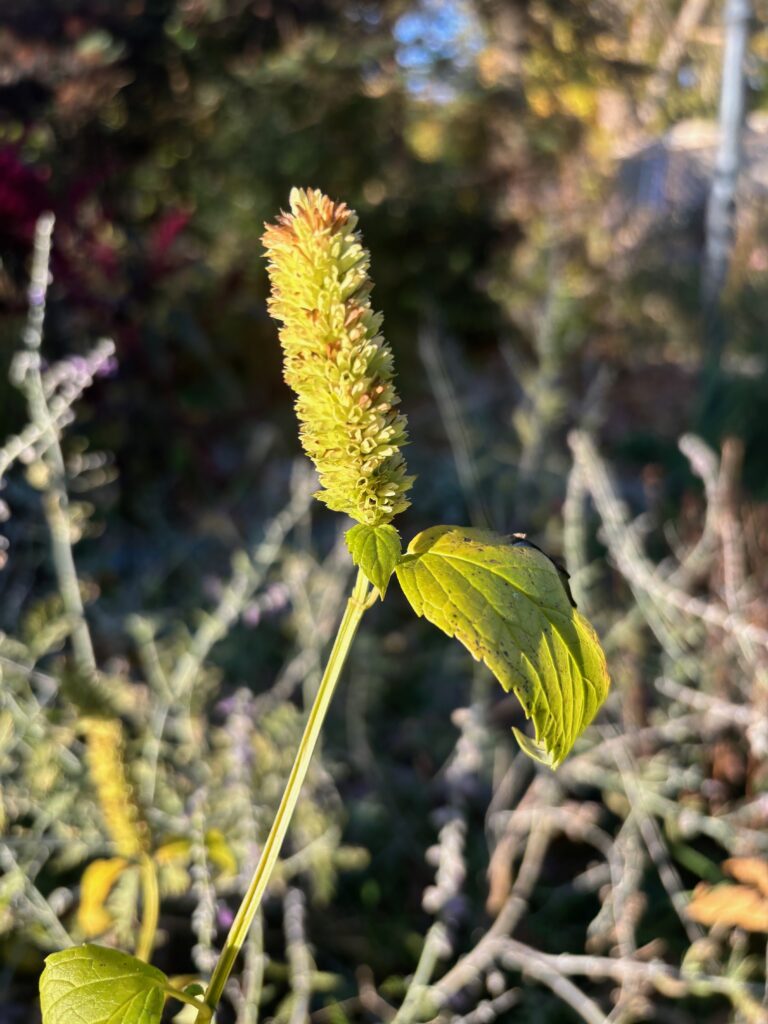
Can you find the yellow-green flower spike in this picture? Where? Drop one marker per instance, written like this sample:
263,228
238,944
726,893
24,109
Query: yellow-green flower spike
336,359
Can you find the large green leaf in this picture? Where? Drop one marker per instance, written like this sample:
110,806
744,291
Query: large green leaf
95,985
375,550
508,606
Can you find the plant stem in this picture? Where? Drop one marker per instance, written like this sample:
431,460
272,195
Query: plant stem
150,896
55,499
184,997
356,606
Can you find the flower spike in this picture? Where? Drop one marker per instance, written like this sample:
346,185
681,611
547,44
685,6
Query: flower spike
336,359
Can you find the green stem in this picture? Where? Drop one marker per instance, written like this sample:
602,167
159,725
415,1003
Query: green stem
203,1012
355,609
422,976
150,896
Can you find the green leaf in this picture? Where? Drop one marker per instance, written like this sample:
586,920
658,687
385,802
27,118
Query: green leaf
375,550
508,606
95,985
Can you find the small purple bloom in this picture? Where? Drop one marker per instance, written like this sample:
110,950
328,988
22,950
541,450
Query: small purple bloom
107,368
224,916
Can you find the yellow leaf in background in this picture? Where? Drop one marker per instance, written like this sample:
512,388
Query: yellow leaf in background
540,100
578,99
750,871
426,139
95,886
729,906
105,757
178,851
173,851
220,852
563,36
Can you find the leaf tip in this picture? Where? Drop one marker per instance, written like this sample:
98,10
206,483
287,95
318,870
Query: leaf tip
538,751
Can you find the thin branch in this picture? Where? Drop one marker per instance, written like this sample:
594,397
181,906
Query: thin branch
37,905
248,575
634,565
453,423
299,958
55,500
547,971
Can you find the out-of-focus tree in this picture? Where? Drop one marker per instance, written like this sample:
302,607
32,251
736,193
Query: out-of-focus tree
512,163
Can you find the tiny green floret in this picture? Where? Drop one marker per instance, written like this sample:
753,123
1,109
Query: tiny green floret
336,358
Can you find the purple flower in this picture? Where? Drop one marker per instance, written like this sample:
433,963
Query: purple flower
224,916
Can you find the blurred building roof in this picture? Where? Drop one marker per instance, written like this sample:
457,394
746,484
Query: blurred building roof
669,178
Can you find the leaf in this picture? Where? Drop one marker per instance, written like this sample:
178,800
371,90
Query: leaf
375,550
509,608
96,985
750,870
179,851
729,906
175,851
95,886
220,852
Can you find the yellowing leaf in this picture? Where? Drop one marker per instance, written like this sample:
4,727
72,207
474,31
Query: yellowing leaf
375,550
729,906
749,870
95,886
178,852
508,606
426,139
173,852
541,101
220,852
95,985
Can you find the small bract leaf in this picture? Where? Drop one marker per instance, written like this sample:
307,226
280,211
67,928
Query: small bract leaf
375,550
95,985
508,606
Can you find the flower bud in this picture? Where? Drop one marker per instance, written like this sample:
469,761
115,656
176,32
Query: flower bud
336,359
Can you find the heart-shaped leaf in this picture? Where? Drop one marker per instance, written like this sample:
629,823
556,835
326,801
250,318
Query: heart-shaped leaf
375,550
508,606
94,985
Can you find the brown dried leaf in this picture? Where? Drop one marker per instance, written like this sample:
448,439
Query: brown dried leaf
729,906
749,870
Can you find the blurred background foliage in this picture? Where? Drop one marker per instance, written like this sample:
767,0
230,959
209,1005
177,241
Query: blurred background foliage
512,164
532,181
